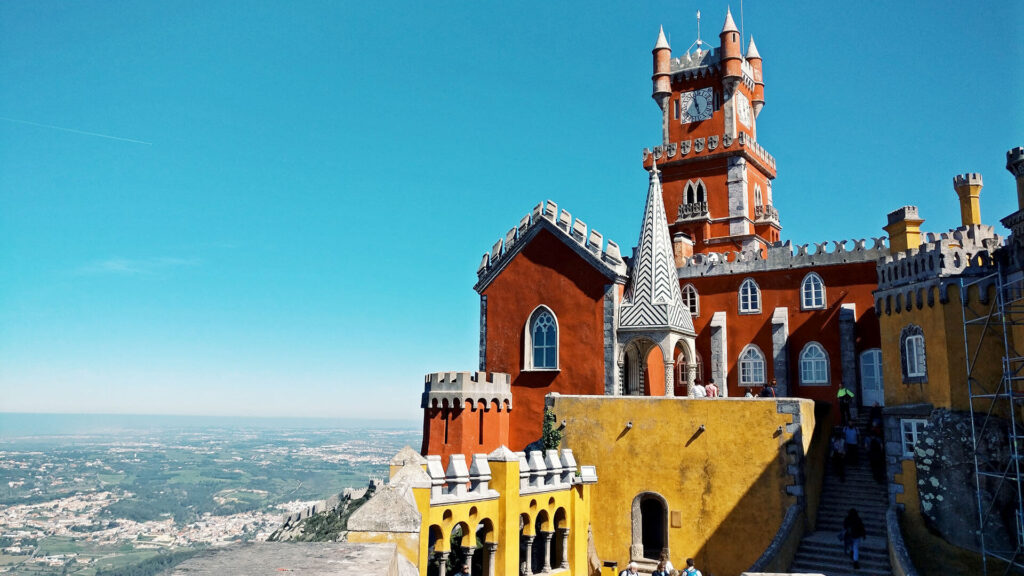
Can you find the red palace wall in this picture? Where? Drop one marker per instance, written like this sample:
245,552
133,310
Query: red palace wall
546,272
844,284
464,430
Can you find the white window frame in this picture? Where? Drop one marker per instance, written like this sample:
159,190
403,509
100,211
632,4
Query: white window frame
751,364
864,357
758,197
910,434
528,356
693,303
750,285
913,347
809,365
807,296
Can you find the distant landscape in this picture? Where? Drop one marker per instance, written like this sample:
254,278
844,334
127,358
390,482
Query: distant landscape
97,495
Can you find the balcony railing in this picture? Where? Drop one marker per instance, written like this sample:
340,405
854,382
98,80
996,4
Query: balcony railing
766,213
693,211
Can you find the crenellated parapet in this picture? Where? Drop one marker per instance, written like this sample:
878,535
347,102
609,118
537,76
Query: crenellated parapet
965,250
605,255
918,277
468,478
781,256
467,389
708,146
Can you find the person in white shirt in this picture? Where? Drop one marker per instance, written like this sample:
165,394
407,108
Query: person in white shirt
699,391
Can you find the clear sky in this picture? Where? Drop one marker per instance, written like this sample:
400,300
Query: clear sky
278,208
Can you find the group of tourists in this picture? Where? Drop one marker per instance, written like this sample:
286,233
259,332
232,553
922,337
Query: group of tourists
664,568
847,443
768,391
710,390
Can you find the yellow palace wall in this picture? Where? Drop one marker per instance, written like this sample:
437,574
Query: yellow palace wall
726,487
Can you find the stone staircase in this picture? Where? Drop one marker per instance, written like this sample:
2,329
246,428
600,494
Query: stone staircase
821,551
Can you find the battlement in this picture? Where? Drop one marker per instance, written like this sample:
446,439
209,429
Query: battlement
591,246
679,150
903,213
965,250
695,64
780,256
466,389
467,480
1015,161
967,180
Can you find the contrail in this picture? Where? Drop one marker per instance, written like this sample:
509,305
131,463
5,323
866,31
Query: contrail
72,130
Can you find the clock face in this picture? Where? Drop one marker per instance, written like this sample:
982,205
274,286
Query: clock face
696,105
743,111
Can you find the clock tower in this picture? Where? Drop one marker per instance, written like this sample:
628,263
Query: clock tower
717,179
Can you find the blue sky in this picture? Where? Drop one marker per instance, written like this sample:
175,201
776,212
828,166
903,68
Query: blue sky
279,208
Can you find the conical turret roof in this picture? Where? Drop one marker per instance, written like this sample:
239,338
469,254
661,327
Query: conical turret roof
652,300
730,25
662,42
752,50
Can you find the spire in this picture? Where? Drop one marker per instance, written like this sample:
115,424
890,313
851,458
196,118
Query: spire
752,50
662,42
730,25
653,299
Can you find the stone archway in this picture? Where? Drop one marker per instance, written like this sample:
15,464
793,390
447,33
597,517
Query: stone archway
650,526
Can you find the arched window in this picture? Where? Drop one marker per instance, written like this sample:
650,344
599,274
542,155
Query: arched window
750,297
813,365
758,200
694,192
542,340
752,367
691,299
700,191
913,363
691,193
812,292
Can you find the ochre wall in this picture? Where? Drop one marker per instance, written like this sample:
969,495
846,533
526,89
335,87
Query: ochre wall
943,328
546,272
728,483
844,284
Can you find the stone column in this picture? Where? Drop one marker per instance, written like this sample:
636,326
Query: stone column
564,533
691,378
548,537
467,554
491,550
720,353
526,561
442,562
670,385
848,352
780,350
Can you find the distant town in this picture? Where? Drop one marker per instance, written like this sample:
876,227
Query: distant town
100,504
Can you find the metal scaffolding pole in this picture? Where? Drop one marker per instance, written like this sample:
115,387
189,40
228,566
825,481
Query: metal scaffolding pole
994,404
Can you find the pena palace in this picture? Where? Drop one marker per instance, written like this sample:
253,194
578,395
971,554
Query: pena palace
710,293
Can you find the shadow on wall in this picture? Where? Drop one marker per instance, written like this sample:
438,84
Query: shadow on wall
724,490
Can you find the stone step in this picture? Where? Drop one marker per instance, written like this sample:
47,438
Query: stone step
841,561
837,570
837,552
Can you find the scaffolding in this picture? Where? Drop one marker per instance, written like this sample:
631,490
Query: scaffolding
996,404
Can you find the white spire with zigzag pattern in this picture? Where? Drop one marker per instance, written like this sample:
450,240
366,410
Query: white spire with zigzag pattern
652,300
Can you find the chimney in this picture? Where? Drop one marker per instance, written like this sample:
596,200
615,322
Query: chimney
682,248
968,188
1015,164
904,230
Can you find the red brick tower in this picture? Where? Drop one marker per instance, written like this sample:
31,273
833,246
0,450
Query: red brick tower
717,179
465,413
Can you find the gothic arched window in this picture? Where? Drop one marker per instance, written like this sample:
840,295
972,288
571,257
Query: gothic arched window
758,200
542,340
750,297
813,365
812,292
752,367
691,299
912,356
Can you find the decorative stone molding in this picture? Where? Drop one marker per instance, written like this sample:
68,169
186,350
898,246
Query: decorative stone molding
781,256
605,256
967,250
693,211
766,214
466,389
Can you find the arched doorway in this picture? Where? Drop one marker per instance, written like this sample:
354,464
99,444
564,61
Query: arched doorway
650,526
642,369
